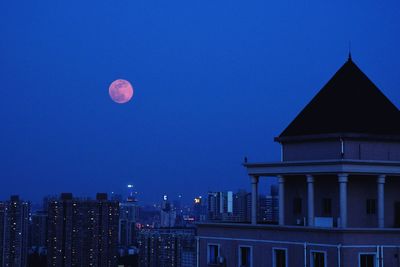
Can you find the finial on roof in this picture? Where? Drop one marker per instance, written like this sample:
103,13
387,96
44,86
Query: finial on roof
349,58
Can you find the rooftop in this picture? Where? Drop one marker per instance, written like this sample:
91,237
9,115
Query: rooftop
350,103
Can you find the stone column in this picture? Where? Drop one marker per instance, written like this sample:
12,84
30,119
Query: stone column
381,200
281,181
343,179
310,200
254,199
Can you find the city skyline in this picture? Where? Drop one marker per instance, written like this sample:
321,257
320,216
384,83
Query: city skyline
199,133
214,82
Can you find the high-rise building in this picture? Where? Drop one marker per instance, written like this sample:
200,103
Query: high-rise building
268,207
167,213
338,183
38,231
229,206
241,206
14,228
82,232
199,209
220,205
129,213
128,217
213,210
167,247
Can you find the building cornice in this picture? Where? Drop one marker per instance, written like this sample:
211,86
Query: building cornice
364,167
296,228
337,136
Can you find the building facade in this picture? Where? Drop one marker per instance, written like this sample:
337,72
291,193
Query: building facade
38,232
14,228
128,217
167,247
167,214
82,232
338,184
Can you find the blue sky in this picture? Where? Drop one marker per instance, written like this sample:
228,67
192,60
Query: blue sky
214,81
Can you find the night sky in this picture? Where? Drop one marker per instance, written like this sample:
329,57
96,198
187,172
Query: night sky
214,81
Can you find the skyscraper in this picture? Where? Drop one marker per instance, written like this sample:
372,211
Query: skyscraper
168,213
167,247
129,212
14,225
38,231
82,232
220,205
199,209
241,206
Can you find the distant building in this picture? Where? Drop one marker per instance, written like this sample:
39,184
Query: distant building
128,217
220,205
168,213
199,209
82,232
268,209
241,206
338,183
149,216
167,247
14,226
236,207
38,232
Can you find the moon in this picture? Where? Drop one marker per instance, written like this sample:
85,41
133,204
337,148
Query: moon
121,91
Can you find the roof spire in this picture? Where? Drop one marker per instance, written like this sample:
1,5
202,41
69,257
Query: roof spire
349,58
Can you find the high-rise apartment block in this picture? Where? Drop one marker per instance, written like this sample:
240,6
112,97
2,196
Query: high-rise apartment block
167,214
236,207
14,228
167,247
38,232
82,232
128,217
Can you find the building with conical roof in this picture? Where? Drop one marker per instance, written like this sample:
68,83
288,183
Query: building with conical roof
339,186
349,104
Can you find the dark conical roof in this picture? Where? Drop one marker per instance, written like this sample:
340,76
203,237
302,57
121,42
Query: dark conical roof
349,103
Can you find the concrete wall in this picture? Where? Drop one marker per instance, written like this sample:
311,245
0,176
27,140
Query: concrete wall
325,186
360,188
331,149
311,150
263,239
372,150
295,187
392,195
